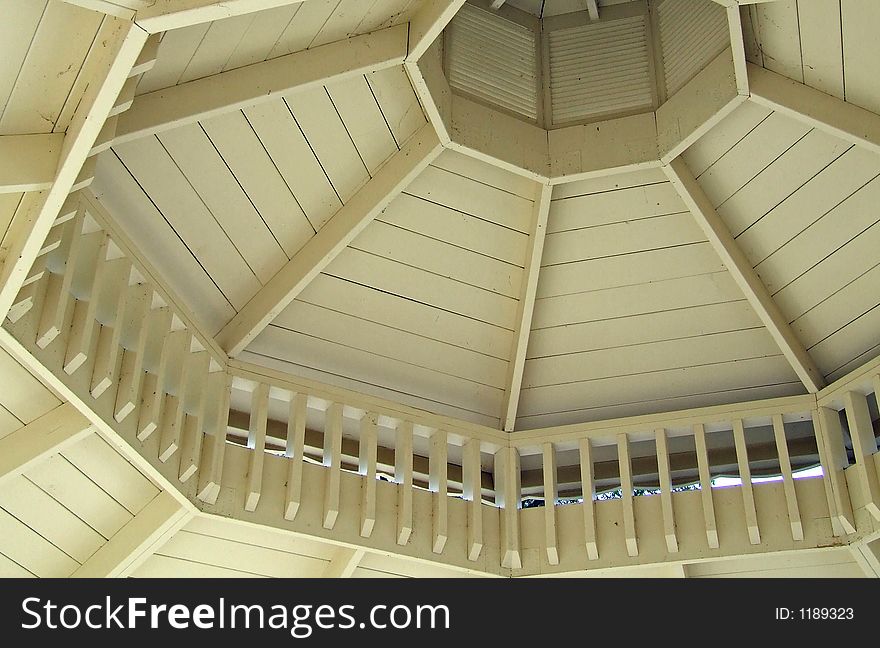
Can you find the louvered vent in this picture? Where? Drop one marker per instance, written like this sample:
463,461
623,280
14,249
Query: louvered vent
599,68
493,59
691,35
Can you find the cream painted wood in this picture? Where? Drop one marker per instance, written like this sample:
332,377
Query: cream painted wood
551,494
212,96
526,306
106,368
817,109
332,460
118,46
827,468
741,270
428,22
131,378
146,60
44,436
57,303
257,443
588,493
432,89
794,515
174,408
472,491
137,540
192,434
745,475
738,49
861,432
171,14
666,490
403,477
156,385
343,563
832,433
626,490
706,498
214,450
508,495
28,162
296,433
367,453
437,484
332,239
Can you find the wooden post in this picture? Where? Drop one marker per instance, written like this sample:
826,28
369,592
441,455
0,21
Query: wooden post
296,436
56,306
437,484
828,425
214,451
82,332
666,491
745,475
626,491
472,490
367,452
588,489
110,338
257,444
403,475
508,496
332,459
864,443
794,515
551,494
706,485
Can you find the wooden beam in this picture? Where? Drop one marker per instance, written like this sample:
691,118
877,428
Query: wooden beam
49,434
419,151
742,272
29,162
368,447
472,491
257,444
794,515
864,444
526,306
508,496
666,491
141,536
332,459
343,563
432,89
163,15
214,448
117,46
814,108
738,49
438,465
497,4
745,476
296,435
626,491
427,24
187,103
828,427
403,476
551,494
588,492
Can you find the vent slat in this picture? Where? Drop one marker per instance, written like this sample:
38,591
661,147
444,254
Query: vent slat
691,35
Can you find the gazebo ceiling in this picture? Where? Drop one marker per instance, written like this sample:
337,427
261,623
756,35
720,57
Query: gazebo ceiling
457,251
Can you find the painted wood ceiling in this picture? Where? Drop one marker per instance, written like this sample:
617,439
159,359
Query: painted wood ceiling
635,312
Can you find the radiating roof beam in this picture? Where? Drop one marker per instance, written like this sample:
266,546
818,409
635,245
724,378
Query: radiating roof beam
207,97
426,25
28,162
392,178
742,272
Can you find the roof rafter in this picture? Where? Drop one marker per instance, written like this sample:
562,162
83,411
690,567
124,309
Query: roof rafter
203,98
163,15
742,272
817,109
526,307
137,540
392,178
426,25
117,46
28,162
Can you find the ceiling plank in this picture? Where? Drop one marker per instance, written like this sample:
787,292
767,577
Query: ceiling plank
738,47
210,96
742,272
49,434
174,14
139,539
340,230
817,109
427,24
593,9
117,46
526,307
28,162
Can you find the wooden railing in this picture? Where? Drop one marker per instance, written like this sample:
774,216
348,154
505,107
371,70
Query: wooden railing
257,444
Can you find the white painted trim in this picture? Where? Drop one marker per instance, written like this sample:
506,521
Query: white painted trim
174,14
28,162
426,25
343,563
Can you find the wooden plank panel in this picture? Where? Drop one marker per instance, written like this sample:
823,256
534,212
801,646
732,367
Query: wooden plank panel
161,566
818,196
617,206
463,230
175,51
79,494
859,20
294,159
780,39
31,551
367,367
49,70
487,174
343,329
258,177
850,346
646,358
120,193
216,47
362,118
9,423
822,54
326,135
112,472
262,34
627,270
22,499
11,569
217,187
643,328
17,32
398,102
782,178
422,286
182,208
399,313
722,138
591,306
